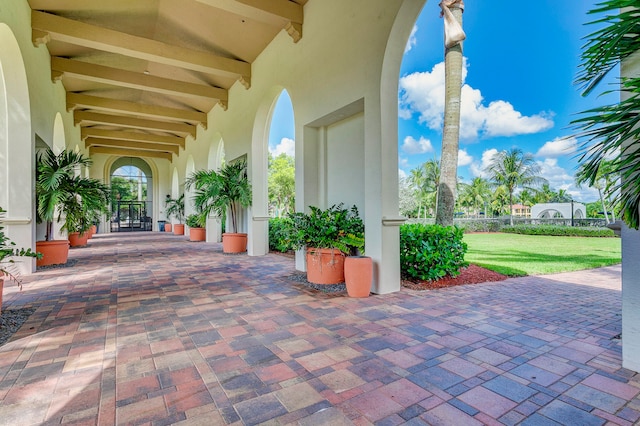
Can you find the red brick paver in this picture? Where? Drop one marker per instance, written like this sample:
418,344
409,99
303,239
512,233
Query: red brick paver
149,328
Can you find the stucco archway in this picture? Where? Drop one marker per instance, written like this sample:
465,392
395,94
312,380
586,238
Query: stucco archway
16,148
258,241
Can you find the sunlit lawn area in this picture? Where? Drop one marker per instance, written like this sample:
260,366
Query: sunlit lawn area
517,255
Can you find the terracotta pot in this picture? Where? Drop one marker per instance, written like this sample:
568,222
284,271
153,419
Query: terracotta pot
178,229
197,234
358,273
234,242
325,266
78,240
92,231
167,227
53,252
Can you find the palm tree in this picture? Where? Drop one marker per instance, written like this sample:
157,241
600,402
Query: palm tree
432,176
475,194
514,169
600,182
416,181
227,189
446,194
613,131
60,188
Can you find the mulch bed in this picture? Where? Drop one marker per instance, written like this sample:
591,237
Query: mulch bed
472,274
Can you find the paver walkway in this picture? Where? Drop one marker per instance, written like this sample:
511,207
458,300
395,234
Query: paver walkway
149,328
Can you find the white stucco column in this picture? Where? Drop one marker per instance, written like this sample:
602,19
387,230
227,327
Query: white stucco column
630,298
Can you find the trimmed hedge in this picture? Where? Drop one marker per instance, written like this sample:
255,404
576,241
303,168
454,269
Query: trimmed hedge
566,231
430,252
280,234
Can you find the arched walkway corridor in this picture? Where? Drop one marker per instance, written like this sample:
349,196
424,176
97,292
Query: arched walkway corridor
150,328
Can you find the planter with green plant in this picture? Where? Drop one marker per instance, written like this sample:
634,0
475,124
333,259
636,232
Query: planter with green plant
8,251
175,208
219,192
197,224
328,235
64,196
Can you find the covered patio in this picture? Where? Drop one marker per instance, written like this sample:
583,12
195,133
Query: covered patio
153,329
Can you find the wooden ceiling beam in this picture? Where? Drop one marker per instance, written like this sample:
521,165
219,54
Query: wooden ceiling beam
130,152
107,40
91,132
115,143
279,13
88,117
78,100
133,80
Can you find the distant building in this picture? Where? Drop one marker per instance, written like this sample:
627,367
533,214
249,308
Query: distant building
558,210
520,210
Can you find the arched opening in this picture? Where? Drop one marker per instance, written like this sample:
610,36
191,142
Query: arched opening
17,148
131,195
281,158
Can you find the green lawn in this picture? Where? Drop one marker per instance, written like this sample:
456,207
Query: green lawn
518,255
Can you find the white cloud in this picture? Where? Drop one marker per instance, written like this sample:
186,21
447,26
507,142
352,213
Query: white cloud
402,174
286,146
413,146
479,169
558,147
423,93
560,178
403,162
412,39
464,159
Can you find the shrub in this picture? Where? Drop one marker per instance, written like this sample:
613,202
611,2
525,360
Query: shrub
568,231
337,227
280,234
430,252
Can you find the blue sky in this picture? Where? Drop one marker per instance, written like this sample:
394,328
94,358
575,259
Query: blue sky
520,62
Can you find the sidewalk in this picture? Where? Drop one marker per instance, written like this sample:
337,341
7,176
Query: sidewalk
148,328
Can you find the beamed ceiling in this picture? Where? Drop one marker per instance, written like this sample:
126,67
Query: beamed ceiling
141,75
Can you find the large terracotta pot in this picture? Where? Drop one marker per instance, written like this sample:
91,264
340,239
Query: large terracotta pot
358,273
197,234
53,252
178,229
78,240
167,227
92,231
325,266
234,242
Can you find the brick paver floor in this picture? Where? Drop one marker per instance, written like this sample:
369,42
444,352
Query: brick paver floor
149,328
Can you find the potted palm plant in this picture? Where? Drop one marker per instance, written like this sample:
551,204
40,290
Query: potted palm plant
328,236
62,193
86,200
220,191
8,251
175,208
196,224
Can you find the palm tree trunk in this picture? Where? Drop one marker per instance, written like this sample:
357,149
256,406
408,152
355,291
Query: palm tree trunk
511,208
451,132
604,206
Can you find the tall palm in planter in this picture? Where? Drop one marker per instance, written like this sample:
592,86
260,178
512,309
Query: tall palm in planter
86,200
61,193
229,190
175,208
